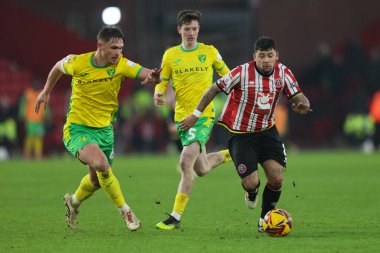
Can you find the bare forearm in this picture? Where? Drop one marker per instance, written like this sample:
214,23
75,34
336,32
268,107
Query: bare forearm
54,75
208,97
300,99
300,104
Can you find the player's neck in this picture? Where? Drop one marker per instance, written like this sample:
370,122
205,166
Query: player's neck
99,60
189,46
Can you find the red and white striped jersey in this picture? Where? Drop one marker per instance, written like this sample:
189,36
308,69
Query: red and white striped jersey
253,96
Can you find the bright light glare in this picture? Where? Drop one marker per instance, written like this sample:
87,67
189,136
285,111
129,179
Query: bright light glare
111,15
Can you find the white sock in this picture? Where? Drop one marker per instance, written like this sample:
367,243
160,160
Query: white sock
176,215
123,208
74,201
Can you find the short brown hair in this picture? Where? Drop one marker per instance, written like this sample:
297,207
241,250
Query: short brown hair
110,32
186,16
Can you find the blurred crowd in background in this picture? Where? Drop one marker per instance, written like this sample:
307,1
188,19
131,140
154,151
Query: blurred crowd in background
340,78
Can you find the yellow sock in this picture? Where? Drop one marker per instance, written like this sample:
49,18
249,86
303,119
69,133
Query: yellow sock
38,145
226,154
111,185
86,189
180,202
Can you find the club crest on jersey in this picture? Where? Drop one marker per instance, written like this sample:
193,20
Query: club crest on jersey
242,168
202,57
111,72
278,82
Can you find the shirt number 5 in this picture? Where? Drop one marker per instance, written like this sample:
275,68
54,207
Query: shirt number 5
191,134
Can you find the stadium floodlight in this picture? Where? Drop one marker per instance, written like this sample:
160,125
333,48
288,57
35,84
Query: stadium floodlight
111,15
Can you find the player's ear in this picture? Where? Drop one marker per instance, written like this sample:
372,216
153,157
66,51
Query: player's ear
179,29
254,56
99,45
278,55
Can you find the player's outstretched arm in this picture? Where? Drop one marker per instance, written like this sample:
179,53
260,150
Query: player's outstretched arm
190,121
300,104
54,75
150,76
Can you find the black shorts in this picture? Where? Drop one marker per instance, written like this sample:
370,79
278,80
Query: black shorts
247,150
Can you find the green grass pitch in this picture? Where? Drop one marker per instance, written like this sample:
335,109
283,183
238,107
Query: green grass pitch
333,198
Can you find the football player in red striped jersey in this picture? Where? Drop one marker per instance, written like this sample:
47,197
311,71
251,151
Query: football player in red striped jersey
253,90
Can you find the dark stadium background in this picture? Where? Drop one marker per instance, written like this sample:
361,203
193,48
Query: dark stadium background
332,48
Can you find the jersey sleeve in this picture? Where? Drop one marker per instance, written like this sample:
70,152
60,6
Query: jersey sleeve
219,65
229,81
130,69
166,74
68,64
291,85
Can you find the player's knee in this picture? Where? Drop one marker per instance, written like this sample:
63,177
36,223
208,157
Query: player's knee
99,163
185,162
200,173
94,180
249,183
275,183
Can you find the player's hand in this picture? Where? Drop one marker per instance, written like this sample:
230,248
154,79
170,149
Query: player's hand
158,99
188,122
43,97
301,108
153,77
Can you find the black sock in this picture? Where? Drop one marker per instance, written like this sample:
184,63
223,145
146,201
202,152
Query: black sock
252,193
270,199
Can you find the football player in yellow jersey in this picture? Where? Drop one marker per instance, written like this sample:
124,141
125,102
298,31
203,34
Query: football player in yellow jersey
190,68
88,133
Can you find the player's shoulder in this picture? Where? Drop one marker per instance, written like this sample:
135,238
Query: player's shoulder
71,58
173,50
246,65
206,47
280,66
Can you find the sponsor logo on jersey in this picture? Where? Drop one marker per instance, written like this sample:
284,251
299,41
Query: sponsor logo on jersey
251,84
67,59
108,79
264,101
189,70
202,57
111,72
175,62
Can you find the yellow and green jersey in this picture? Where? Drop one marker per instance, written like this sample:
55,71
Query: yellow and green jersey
95,89
191,74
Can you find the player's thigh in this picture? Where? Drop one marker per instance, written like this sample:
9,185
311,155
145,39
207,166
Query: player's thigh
243,154
273,171
270,147
91,145
188,155
92,155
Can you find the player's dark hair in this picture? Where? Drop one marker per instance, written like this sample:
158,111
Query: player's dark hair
264,44
186,16
110,32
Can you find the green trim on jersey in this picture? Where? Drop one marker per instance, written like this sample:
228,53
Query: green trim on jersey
189,50
138,72
94,65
